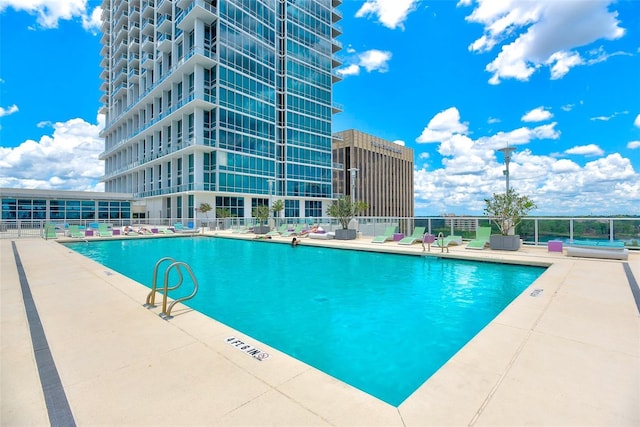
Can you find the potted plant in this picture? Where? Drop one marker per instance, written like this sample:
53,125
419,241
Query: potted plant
506,211
261,213
344,210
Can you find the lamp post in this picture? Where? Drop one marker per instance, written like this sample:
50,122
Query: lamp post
507,157
271,182
354,172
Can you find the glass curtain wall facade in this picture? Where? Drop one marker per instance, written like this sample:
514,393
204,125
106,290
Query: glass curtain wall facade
227,102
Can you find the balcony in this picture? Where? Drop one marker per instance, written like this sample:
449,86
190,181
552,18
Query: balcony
121,34
336,30
147,9
164,23
120,61
120,76
105,49
147,61
336,3
134,13
336,108
148,26
134,75
164,6
335,62
335,45
164,43
121,19
335,77
134,60
147,44
122,47
134,28
198,10
134,44
120,90
336,15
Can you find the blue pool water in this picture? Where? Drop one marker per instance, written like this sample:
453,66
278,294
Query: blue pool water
382,323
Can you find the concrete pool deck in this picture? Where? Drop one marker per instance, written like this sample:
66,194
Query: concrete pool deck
565,352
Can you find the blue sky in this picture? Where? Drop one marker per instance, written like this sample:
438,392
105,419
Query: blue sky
559,80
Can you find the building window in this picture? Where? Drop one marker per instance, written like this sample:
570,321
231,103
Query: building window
313,209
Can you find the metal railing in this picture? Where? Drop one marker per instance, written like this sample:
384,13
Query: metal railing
532,230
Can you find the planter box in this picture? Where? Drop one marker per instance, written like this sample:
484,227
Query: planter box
504,243
342,234
261,229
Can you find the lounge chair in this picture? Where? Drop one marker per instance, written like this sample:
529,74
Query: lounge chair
450,240
282,229
418,232
295,232
50,231
74,231
182,229
483,235
103,230
388,235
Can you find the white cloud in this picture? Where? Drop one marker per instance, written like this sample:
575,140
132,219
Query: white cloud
537,115
443,126
472,169
586,150
50,12
543,33
351,70
399,142
636,122
390,13
375,60
8,111
632,145
65,160
607,118
371,60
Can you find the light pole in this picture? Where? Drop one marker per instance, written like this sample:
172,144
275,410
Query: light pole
353,171
271,182
507,157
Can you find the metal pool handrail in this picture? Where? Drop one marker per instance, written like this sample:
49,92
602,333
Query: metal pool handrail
166,312
151,298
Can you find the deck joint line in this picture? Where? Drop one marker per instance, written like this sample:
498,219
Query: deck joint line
55,398
635,289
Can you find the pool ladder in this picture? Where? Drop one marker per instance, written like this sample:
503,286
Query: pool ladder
440,242
178,266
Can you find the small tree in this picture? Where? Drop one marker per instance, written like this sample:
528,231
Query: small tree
261,213
223,213
507,210
344,210
204,208
277,207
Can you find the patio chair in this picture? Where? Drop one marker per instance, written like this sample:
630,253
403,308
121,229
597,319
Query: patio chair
295,232
74,231
418,232
277,232
483,235
386,236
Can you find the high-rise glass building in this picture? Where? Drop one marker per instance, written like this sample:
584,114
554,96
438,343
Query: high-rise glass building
225,102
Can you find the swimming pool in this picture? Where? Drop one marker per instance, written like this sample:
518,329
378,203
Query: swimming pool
380,322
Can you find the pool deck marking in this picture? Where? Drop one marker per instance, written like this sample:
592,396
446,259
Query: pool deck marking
54,395
635,290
